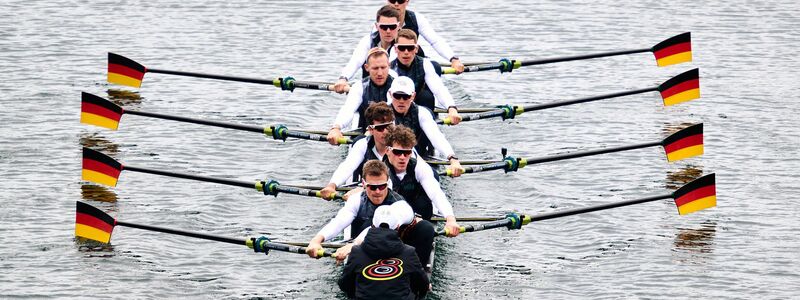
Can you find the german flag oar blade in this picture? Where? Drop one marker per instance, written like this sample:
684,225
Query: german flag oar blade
686,143
125,71
675,50
100,168
699,194
681,88
92,223
99,112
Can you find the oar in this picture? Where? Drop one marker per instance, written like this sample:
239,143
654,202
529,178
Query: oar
697,195
674,50
100,112
94,224
685,143
678,89
125,71
102,169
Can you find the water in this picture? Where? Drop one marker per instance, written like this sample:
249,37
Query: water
745,247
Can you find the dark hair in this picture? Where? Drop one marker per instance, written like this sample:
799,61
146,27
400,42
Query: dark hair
374,168
379,111
401,135
387,11
407,33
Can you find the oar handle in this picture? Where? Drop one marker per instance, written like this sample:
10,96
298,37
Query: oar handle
272,187
266,243
280,132
513,221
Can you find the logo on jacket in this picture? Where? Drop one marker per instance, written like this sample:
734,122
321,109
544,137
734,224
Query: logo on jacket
384,269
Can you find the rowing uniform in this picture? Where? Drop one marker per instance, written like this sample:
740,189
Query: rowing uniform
421,189
382,267
429,87
362,150
357,213
429,137
359,57
359,98
420,25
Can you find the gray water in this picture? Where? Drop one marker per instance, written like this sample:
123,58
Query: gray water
746,247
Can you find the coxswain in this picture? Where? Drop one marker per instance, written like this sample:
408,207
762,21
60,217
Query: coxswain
420,121
387,23
372,89
430,90
382,267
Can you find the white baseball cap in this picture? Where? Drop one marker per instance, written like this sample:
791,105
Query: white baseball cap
385,215
403,85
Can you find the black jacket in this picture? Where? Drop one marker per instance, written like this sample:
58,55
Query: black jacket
382,267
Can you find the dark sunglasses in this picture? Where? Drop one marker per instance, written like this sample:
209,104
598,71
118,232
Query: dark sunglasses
387,26
401,96
401,152
377,187
397,1
406,48
380,127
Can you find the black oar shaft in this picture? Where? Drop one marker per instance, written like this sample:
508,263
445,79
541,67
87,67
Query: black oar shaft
213,76
197,121
575,211
587,99
589,153
472,228
192,177
204,236
580,57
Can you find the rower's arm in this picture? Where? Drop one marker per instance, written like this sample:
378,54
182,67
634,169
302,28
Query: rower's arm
433,133
350,107
433,189
354,158
440,92
437,42
357,59
343,218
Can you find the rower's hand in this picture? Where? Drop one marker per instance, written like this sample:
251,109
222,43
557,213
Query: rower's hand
328,191
457,65
312,249
341,86
351,192
452,114
334,135
455,168
341,254
451,227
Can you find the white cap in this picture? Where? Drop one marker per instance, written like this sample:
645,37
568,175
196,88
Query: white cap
385,214
403,85
403,212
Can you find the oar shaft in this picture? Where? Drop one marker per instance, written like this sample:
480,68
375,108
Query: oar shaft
580,57
589,153
303,192
192,177
575,211
587,99
197,121
472,228
204,236
213,76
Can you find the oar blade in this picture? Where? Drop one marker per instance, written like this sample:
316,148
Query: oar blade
697,195
100,168
685,143
125,71
92,223
674,50
681,88
99,112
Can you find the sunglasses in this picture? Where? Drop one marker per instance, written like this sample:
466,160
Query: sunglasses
401,152
406,48
401,96
377,187
397,1
380,127
387,27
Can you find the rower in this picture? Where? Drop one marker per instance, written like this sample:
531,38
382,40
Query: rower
420,121
372,89
382,267
414,179
358,211
387,22
430,90
421,27
380,117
